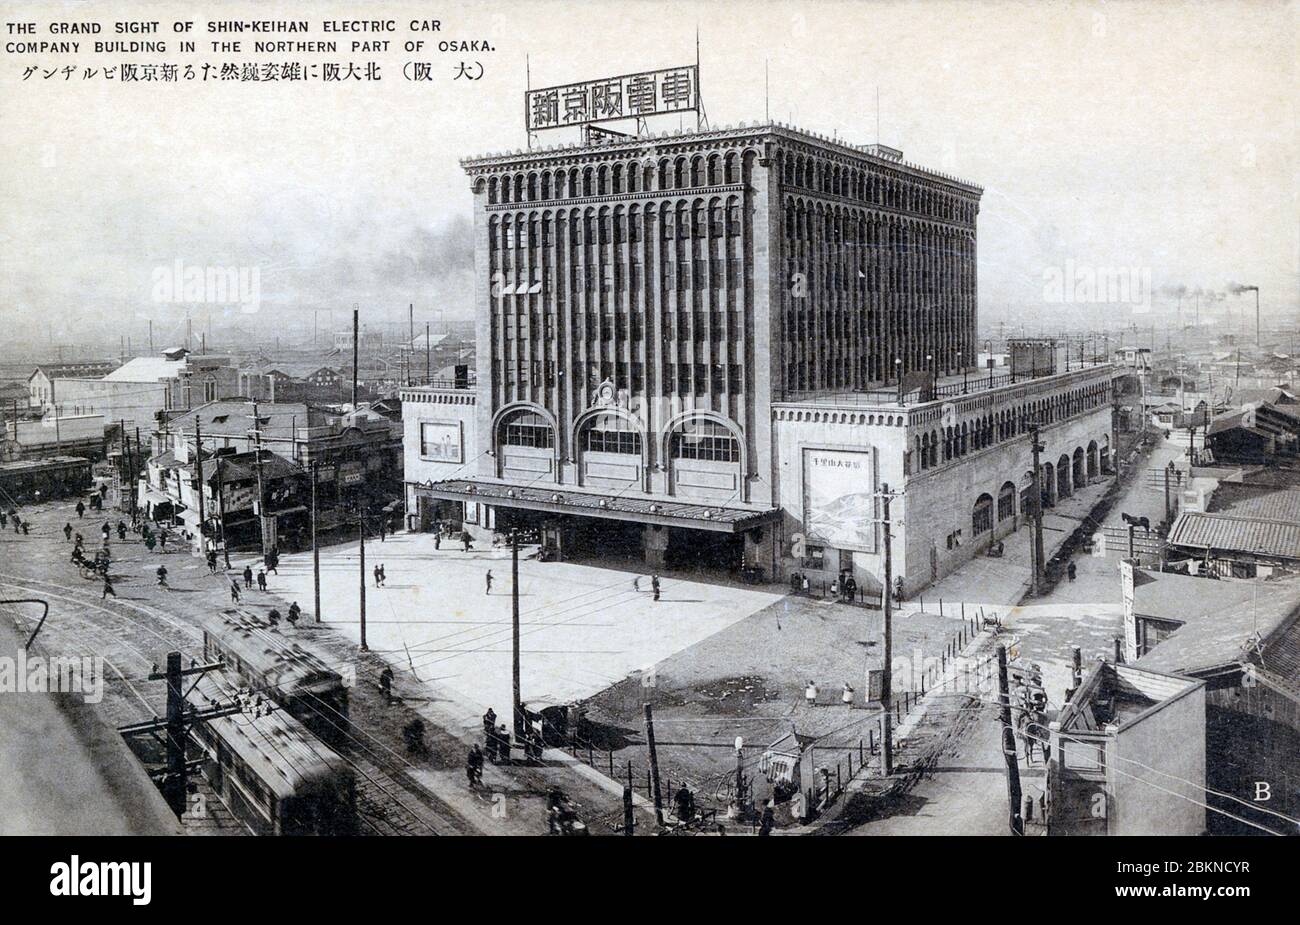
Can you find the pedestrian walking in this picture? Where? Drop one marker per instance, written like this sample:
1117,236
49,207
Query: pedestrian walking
437,540
488,578
106,530
654,586
121,530
383,528
162,540
376,574
108,588
261,580
212,561
386,684
273,560
273,617
1072,571
67,533
464,538
294,613
234,592
26,526
81,510
383,575
248,577
162,576
18,524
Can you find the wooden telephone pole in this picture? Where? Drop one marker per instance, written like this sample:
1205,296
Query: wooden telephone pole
1036,507
198,468
315,549
887,651
1009,746
514,632
179,719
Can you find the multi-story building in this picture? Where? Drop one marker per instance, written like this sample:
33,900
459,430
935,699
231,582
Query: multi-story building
669,326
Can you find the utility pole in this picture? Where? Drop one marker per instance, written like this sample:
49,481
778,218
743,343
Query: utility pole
315,550
428,356
174,783
1036,505
180,717
261,493
886,687
198,468
221,511
514,632
361,530
654,764
1009,746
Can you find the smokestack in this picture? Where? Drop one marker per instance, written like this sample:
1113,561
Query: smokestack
356,346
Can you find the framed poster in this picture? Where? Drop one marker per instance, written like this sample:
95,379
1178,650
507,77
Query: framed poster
440,441
839,502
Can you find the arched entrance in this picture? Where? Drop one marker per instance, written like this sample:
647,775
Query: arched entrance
1006,505
1093,468
1047,484
705,459
525,443
609,446
1079,473
1063,477
982,517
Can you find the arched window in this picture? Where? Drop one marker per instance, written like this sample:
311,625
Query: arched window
1006,501
982,515
702,438
528,429
611,433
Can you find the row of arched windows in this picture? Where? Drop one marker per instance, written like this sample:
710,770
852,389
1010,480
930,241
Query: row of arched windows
871,186
638,176
971,436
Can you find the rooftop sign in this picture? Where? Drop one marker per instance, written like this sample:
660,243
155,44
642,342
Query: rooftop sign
632,96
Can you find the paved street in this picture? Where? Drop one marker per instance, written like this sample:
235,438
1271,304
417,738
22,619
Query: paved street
133,632
964,788
582,627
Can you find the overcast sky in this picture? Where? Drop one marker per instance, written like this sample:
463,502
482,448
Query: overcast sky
1157,136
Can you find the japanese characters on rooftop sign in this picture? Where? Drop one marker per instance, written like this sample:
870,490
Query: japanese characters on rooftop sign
632,96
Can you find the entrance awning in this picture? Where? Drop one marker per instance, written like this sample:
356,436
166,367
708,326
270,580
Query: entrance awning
560,499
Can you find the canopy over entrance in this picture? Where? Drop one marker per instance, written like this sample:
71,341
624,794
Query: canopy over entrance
564,500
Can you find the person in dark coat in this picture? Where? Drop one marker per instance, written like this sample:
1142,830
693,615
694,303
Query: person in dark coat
294,613
261,580
67,533
81,510
248,576
234,592
654,586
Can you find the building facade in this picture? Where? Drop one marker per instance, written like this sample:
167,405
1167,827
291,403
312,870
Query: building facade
668,326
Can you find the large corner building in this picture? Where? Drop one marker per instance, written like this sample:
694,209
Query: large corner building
716,346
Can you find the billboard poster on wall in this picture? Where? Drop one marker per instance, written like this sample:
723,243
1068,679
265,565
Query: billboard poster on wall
441,442
839,501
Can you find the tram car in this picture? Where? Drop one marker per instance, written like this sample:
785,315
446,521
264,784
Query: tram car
273,774
35,480
267,660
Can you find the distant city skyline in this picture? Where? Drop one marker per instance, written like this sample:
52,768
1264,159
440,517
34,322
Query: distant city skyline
1107,138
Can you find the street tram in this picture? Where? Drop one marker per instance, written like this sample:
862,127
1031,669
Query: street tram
268,661
273,774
